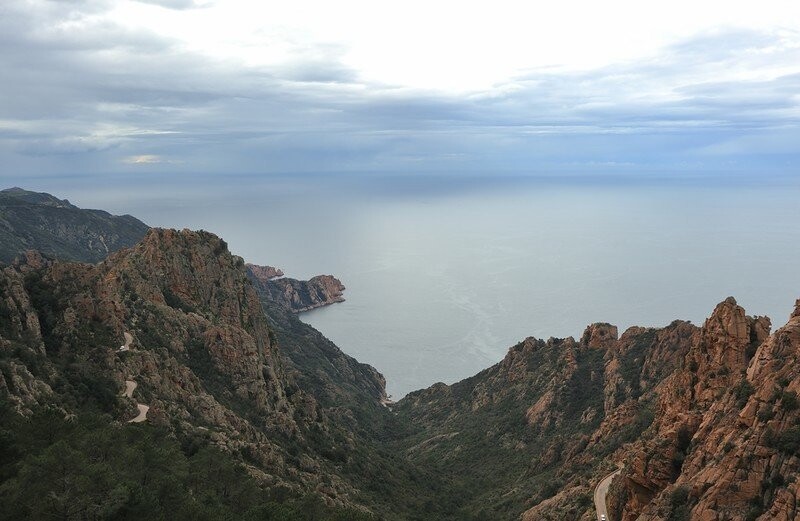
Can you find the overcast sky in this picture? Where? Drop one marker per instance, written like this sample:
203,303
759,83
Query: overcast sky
104,87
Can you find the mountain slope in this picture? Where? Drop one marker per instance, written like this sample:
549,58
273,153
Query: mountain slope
39,221
544,420
725,441
702,421
209,366
331,375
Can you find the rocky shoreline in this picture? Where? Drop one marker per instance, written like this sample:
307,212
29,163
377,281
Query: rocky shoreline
296,295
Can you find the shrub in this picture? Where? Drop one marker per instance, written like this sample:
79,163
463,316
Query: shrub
765,414
743,391
789,400
680,504
788,441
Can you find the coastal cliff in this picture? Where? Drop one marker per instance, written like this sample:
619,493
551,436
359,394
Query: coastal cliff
296,295
263,273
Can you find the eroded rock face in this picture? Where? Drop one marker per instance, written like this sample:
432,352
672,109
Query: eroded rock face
301,295
704,422
204,296
727,425
547,408
263,273
203,354
599,335
642,358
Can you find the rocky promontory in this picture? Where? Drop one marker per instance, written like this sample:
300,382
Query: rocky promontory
297,295
263,273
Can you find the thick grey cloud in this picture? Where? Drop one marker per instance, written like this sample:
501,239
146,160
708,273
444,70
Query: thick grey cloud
91,96
177,4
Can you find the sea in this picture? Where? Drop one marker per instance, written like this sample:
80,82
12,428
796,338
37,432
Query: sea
444,272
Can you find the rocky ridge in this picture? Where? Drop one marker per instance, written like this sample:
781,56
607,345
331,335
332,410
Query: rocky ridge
702,420
723,445
263,273
206,361
39,221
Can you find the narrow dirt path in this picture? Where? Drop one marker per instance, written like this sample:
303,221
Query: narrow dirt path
128,341
130,386
142,416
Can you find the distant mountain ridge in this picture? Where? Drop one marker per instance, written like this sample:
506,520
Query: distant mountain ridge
40,221
57,228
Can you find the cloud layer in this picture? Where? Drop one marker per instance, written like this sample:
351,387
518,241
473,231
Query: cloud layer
83,92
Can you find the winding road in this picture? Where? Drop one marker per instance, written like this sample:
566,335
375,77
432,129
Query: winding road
130,386
600,493
128,341
142,416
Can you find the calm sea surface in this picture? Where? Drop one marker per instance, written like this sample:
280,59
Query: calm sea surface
444,275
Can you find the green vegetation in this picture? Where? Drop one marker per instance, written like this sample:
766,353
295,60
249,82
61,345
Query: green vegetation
42,222
683,447
789,400
628,433
787,442
90,468
631,363
680,504
477,435
743,391
585,389
174,301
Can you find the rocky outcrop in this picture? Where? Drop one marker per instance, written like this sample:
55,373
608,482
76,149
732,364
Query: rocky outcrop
703,421
31,220
531,420
599,335
641,359
205,358
722,445
187,302
301,295
263,273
